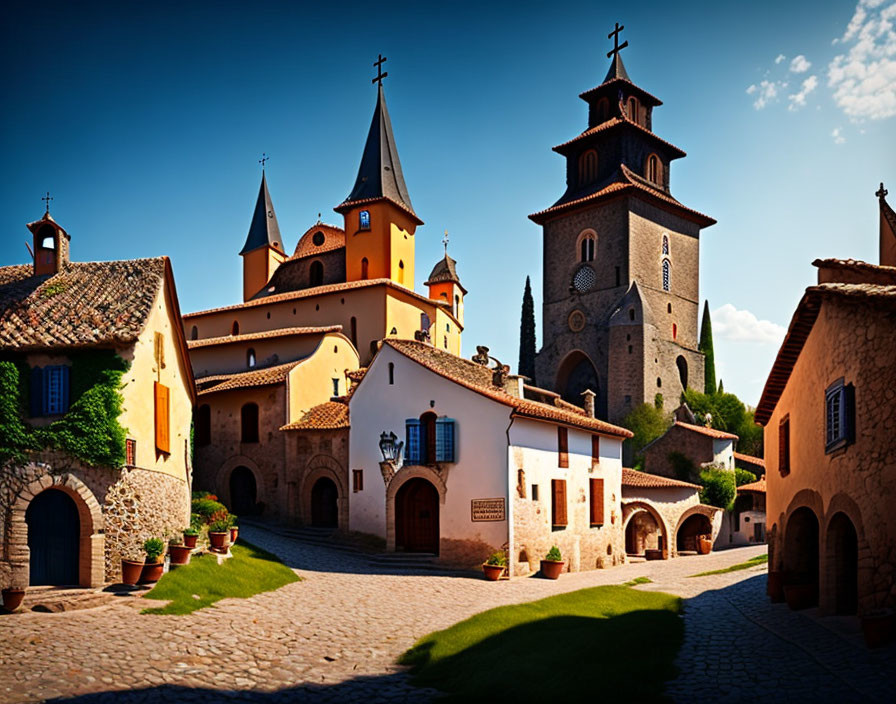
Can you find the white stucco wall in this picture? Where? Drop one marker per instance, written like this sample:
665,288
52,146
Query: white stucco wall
723,452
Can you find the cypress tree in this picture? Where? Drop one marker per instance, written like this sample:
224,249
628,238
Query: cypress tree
721,387
705,346
526,365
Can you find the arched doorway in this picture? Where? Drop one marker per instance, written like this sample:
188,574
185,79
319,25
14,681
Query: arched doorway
801,549
54,536
576,374
324,503
243,492
693,526
843,564
642,533
417,517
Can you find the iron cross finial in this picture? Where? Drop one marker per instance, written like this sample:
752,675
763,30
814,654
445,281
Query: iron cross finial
445,242
882,192
614,35
47,200
380,74
264,158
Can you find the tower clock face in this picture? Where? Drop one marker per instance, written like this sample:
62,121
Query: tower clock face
584,279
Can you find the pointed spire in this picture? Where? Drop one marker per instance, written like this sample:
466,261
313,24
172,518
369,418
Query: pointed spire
379,175
264,230
617,70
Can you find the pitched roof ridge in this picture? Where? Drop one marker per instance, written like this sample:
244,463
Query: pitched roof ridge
712,432
634,477
273,333
329,415
759,461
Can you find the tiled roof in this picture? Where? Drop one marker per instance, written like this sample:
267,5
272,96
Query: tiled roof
617,121
801,325
612,79
643,480
334,238
242,380
478,378
331,415
758,486
711,432
87,304
320,291
444,270
357,374
749,459
267,334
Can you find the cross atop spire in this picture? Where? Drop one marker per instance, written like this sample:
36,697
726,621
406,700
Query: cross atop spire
380,74
47,198
264,158
881,193
614,35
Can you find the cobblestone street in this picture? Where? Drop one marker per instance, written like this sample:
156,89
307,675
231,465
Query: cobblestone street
335,637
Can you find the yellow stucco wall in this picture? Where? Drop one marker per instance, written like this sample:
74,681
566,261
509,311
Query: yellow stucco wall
258,267
233,356
389,240
311,382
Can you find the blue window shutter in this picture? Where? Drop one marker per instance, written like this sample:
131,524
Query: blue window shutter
412,446
445,440
45,402
37,392
66,385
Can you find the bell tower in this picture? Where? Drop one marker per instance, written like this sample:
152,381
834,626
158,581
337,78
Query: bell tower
620,260
263,251
51,244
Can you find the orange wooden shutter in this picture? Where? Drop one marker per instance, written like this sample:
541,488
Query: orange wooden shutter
562,447
595,450
558,502
163,435
597,502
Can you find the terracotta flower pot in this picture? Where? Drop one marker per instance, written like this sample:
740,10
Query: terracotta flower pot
800,596
551,569
704,546
493,572
12,598
775,586
130,571
218,540
152,572
877,627
234,532
180,554
190,540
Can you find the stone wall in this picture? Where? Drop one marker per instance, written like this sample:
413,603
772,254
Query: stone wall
312,455
697,447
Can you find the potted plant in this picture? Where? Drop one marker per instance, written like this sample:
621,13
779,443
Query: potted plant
12,598
191,535
155,564
219,530
234,529
132,568
552,564
494,566
877,627
178,552
704,544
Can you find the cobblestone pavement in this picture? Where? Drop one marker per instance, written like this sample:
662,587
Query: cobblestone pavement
335,636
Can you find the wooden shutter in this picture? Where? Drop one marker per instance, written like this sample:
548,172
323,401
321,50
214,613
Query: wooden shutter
784,446
595,450
562,447
412,445
163,430
558,503
597,502
357,480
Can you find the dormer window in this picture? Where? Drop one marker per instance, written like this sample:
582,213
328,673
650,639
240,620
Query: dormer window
588,167
364,220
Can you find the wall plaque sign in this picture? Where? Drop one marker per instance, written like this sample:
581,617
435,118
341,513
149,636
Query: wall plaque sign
488,509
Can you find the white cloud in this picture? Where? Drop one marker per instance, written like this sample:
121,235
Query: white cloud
779,58
800,64
864,78
837,134
765,92
742,326
798,100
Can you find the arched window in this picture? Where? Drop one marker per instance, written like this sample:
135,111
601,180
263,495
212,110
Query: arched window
666,245
586,248
250,358
204,425
249,422
587,167
391,373
667,284
194,333
633,109
603,110
354,331
235,328
674,331
654,170
316,274
365,268
428,438
456,306
401,272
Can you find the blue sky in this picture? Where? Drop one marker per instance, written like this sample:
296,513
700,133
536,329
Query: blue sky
146,122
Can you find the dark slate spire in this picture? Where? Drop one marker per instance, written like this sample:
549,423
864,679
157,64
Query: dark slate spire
379,175
617,70
264,230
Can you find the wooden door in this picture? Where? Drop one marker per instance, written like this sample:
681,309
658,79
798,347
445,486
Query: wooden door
54,536
417,517
243,491
324,503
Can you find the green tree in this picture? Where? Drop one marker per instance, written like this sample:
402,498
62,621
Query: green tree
526,366
719,488
647,423
705,346
721,387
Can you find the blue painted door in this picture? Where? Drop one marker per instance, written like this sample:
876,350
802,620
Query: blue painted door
54,531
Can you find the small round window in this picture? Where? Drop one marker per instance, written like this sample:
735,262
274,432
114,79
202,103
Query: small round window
318,238
584,279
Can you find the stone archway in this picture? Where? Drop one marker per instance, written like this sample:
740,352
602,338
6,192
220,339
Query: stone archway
399,479
91,541
223,489
801,539
243,491
842,564
709,526
689,529
324,467
576,374
644,528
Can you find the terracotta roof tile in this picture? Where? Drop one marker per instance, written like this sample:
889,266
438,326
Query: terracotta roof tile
334,238
758,486
331,415
758,461
643,480
87,304
478,378
591,91
616,122
267,334
241,380
711,432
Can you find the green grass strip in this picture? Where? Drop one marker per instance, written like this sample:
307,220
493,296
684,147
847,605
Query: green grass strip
752,562
638,580
250,571
563,648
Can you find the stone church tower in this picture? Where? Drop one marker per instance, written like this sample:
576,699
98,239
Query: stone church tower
621,261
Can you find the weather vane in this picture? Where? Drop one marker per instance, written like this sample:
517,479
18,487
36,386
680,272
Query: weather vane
614,35
47,199
380,74
264,158
445,242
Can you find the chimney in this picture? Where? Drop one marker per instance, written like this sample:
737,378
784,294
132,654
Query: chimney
588,396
